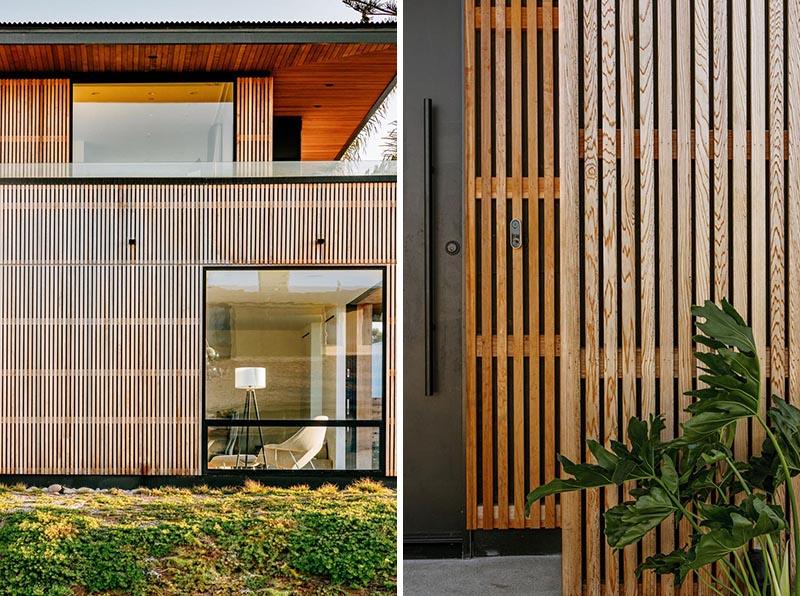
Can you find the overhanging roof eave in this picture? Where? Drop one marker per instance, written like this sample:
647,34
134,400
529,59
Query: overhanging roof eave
194,35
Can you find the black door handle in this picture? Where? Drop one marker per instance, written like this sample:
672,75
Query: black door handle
427,199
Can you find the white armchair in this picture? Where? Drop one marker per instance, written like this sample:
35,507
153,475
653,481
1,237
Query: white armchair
293,454
297,451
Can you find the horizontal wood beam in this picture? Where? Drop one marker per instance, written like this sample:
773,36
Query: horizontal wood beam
637,144
526,192
524,19
526,343
540,508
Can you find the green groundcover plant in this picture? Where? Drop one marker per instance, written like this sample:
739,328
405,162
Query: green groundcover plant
730,505
169,542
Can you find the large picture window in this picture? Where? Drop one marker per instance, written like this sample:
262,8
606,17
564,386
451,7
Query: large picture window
152,122
294,369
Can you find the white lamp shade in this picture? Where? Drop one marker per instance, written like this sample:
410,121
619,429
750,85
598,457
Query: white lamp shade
251,377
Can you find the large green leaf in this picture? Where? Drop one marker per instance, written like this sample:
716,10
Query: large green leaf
613,467
676,563
733,527
732,374
627,523
585,476
725,325
786,419
764,471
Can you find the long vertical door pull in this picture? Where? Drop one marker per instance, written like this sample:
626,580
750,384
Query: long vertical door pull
427,199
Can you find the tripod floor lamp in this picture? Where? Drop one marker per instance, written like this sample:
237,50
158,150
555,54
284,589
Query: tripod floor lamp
250,378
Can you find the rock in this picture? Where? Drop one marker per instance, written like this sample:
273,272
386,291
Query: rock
84,490
54,488
68,491
33,489
140,491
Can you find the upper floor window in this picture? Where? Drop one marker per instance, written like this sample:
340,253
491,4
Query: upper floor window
152,122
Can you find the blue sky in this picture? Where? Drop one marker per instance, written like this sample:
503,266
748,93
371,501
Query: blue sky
48,11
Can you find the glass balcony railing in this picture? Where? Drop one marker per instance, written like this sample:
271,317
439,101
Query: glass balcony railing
233,170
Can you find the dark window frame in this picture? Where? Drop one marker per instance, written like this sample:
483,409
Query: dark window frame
381,424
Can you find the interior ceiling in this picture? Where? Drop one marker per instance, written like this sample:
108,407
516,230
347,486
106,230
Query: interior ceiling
332,86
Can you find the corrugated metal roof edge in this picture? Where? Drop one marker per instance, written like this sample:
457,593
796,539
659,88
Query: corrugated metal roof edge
201,24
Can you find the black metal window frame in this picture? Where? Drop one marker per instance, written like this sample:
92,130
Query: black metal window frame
380,471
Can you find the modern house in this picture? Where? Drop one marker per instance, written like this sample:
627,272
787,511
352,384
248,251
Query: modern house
606,166
192,284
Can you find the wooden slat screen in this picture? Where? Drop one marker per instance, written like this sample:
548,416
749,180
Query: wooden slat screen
663,221
511,294
34,120
254,119
100,341
677,180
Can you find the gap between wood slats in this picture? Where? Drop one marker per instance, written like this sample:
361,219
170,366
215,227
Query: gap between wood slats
510,22
637,144
526,193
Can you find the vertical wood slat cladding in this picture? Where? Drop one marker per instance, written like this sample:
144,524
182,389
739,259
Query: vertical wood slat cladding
713,222
101,342
657,221
512,294
34,120
254,119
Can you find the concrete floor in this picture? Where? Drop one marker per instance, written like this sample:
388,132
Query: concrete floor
485,576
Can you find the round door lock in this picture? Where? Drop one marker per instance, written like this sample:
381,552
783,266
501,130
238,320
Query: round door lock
452,247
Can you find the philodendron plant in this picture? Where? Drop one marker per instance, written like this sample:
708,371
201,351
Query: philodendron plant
729,504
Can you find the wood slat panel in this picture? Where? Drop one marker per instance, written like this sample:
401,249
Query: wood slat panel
511,406
721,145
740,201
647,246
109,382
569,307
666,242
792,25
628,258
517,272
683,279
34,120
486,269
254,119
608,151
528,186
592,359
777,235
501,273
719,234
535,422
521,19
759,272
654,235
549,286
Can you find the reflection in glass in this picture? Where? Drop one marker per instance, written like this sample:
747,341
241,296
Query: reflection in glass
359,449
319,335
152,122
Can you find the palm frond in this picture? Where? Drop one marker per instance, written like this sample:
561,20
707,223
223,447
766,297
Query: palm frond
373,8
